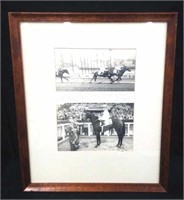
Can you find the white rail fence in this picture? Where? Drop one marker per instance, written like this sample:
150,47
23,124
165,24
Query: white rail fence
86,129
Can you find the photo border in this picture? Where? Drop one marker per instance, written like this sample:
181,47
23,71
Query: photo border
98,68
14,21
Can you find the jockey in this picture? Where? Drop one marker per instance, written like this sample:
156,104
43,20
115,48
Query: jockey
103,70
105,118
111,72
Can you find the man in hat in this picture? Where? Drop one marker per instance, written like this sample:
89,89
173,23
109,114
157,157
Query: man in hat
73,135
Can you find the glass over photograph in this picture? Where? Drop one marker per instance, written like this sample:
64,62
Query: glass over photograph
95,126
90,69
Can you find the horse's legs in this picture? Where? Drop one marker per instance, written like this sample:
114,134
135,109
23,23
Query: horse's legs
94,78
61,79
91,79
98,140
109,77
119,77
121,140
65,78
118,141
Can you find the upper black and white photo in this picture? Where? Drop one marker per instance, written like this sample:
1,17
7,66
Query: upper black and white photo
90,69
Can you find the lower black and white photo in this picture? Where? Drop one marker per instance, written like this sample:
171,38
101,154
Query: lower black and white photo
95,126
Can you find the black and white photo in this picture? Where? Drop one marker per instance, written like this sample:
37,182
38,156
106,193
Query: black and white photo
95,69
94,94
95,126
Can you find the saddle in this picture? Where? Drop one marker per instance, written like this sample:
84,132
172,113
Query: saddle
102,123
103,73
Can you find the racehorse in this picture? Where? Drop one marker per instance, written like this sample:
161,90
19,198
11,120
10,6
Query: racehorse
106,74
96,126
110,73
120,73
119,126
61,73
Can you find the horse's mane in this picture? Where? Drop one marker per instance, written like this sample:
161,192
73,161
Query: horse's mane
113,114
95,117
123,67
62,70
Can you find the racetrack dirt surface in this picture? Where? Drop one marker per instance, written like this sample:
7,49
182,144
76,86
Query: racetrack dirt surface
108,143
100,85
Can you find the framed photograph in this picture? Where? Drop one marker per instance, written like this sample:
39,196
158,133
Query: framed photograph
93,98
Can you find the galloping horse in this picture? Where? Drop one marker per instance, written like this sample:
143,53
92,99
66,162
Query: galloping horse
61,73
119,127
106,74
120,73
110,73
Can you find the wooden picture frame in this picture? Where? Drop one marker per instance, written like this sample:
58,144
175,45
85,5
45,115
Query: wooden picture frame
14,22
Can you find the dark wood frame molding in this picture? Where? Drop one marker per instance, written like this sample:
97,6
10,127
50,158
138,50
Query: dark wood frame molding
15,18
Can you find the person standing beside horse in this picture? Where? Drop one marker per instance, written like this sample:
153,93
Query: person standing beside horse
73,134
